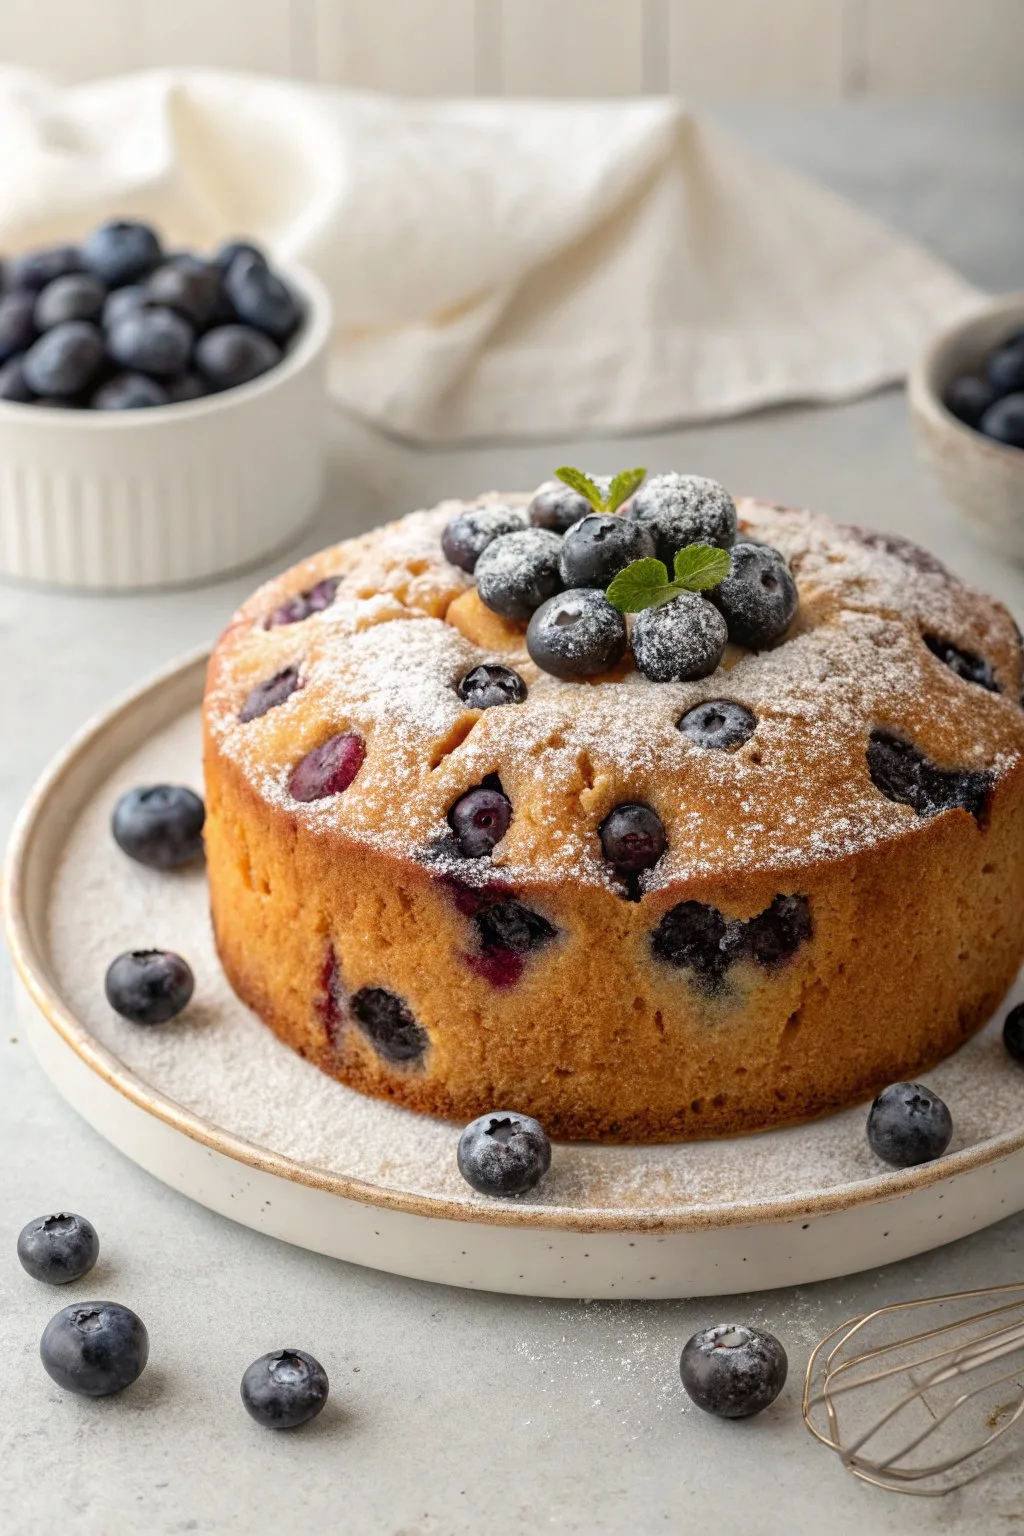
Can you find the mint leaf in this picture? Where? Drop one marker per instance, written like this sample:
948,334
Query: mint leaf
644,584
699,567
622,487
578,481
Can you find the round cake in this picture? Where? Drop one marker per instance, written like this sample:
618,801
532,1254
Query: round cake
644,884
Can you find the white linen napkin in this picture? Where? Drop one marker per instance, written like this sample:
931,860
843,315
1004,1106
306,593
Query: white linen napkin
498,268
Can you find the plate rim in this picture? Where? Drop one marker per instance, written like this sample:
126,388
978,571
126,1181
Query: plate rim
29,960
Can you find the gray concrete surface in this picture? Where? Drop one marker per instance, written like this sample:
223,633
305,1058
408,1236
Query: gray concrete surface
456,1413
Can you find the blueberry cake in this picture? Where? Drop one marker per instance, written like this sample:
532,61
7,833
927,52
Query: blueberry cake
734,853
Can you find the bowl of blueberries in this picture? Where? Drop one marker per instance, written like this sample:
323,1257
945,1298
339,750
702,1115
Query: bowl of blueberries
967,404
162,412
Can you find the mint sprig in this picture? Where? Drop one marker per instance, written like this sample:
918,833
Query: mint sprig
621,488
646,584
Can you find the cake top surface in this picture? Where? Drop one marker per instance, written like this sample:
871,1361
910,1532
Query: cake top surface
391,627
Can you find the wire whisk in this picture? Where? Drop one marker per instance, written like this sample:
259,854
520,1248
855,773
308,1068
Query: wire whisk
921,1412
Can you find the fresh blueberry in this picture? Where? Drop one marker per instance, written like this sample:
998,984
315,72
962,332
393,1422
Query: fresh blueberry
66,360
121,251
908,1125
758,598
576,634
733,1371
227,253
1004,421
231,355
901,772
129,392
121,303
187,386
557,507
973,669
519,571
31,271
74,297
679,640
149,986
58,1249
261,298
1006,367
151,340
504,1154
160,825
487,687
328,769
632,838
188,286
314,600
968,398
284,1389
469,533
718,724
1013,1032
388,1022
269,694
684,509
599,546
95,1348
17,323
12,381
480,820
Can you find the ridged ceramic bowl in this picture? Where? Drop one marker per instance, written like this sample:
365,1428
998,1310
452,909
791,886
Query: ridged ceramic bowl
172,494
982,478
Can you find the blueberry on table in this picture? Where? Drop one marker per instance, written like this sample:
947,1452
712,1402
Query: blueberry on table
733,1371
77,296
632,838
557,507
1013,1032
1004,421
188,286
480,820
684,509
908,1124
758,598
468,534
149,986
680,640
576,634
129,392
488,687
599,546
66,360
95,1348
1006,367
969,397
519,571
231,355
503,1154
31,271
160,825
284,1389
122,251
58,1249
17,323
12,381
261,298
717,725
151,339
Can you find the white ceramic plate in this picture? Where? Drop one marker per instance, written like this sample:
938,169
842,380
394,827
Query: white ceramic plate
216,1107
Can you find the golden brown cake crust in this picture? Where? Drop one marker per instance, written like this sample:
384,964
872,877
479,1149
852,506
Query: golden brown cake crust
915,925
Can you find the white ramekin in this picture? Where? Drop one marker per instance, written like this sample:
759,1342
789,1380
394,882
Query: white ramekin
175,493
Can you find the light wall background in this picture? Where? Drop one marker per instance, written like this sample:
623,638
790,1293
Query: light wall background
705,50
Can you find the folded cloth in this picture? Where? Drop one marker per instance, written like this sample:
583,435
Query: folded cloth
498,268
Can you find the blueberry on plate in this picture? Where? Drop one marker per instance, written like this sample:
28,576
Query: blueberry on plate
129,392
503,1154
77,296
680,640
149,986
684,509
557,507
632,838
519,571
230,355
95,1348
32,270
969,397
284,1389
468,534
160,825
260,298
908,1125
17,323
1013,1032
1006,367
758,598
601,545
1004,421
58,1249
718,724
122,251
733,1371
66,360
151,339
576,634
188,286
488,687
480,819
12,381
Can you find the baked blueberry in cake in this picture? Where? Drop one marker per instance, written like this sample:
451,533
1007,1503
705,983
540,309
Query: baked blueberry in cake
688,830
